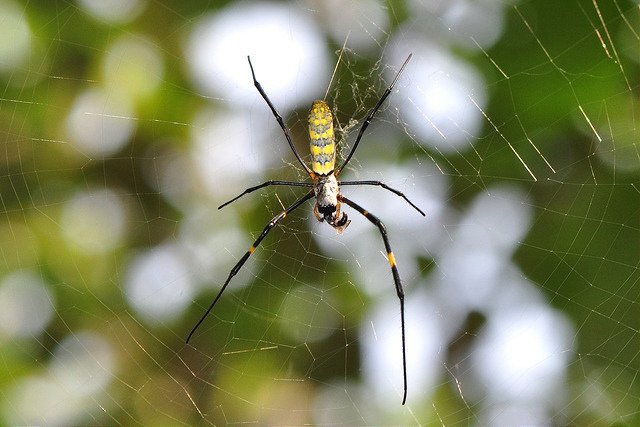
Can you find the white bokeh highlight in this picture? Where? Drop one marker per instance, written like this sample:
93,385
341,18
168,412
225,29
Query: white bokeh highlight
442,100
519,358
39,400
67,391
469,24
227,155
100,123
381,338
26,305
113,11
158,284
84,363
211,250
285,45
363,24
95,221
478,259
132,67
523,353
15,35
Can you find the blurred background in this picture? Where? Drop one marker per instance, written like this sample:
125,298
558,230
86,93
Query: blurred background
124,124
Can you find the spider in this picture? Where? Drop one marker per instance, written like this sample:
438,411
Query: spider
325,187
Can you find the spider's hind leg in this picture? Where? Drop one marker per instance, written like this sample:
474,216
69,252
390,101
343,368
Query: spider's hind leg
396,278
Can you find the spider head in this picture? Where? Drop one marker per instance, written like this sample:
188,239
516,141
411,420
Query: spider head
332,215
339,222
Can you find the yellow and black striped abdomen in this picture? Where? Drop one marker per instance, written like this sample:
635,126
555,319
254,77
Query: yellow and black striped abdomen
323,145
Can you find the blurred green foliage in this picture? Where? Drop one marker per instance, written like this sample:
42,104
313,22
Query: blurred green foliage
582,250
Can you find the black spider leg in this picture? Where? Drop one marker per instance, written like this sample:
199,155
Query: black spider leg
278,118
386,187
266,184
396,278
372,113
274,221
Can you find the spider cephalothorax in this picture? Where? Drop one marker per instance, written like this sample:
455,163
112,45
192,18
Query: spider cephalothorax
327,207
325,187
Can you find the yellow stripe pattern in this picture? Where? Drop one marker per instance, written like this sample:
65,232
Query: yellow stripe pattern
323,146
392,259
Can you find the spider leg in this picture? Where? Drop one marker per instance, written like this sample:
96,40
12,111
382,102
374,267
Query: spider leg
266,184
386,187
372,113
274,221
278,118
396,278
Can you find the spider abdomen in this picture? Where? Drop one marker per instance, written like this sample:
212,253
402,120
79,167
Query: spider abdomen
322,141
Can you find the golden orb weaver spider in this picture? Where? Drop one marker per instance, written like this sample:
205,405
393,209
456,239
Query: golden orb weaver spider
325,187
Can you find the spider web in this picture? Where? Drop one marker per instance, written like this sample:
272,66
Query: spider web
514,127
